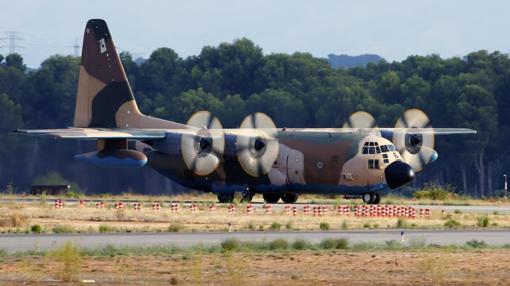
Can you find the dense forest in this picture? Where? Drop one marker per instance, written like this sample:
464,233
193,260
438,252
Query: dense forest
297,90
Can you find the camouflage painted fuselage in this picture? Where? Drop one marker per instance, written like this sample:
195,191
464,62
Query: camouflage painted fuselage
307,162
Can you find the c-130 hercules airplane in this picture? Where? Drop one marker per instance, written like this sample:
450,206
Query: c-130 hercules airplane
280,163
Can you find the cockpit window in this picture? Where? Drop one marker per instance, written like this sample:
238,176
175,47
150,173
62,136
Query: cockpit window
374,148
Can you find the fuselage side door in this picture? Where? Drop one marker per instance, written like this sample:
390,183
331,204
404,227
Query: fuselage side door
295,167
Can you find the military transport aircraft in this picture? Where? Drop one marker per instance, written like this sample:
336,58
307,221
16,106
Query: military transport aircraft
280,163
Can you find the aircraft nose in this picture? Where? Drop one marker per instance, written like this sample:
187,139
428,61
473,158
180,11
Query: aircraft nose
398,174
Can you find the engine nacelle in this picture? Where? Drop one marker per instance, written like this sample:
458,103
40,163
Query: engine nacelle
119,158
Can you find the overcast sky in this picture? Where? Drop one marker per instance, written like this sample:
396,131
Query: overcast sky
392,29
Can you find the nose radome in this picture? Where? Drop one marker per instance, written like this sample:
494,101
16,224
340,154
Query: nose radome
398,174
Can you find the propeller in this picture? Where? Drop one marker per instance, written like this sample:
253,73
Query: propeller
203,147
257,145
416,149
360,119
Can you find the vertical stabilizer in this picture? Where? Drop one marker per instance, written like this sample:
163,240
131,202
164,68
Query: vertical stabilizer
105,98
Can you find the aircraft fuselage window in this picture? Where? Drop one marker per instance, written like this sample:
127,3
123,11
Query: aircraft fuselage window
371,150
378,149
373,164
384,148
365,150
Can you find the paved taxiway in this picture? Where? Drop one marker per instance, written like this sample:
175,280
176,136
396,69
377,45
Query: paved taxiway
14,243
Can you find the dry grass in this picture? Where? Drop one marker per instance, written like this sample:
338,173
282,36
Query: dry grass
16,217
13,220
306,198
69,261
480,267
90,219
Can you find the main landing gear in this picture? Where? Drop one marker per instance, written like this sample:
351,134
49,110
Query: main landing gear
226,197
290,198
371,198
272,198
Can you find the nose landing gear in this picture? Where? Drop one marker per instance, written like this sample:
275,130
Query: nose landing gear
371,198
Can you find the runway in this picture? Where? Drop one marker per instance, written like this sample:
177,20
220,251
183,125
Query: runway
17,243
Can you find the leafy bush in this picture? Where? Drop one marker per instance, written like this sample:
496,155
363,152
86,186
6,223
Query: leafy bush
105,228
334,243
301,244
278,244
230,244
435,192
175,227
324,226
251,226
402,223
289,225
275,226
483,221
59,228
109,250
452,223
344,225
36,228
476,243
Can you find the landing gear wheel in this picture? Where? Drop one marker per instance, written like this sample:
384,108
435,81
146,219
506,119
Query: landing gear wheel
290,198
377,198
271,198
247,197
226,198
371,198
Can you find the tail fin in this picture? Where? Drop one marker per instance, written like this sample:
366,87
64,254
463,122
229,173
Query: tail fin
105,98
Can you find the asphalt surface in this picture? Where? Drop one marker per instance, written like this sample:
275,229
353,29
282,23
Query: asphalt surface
16,243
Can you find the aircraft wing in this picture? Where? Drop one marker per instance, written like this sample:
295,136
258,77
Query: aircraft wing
154,134
435,131
94,134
